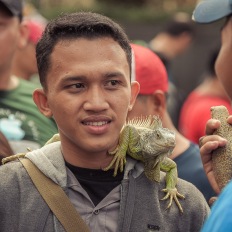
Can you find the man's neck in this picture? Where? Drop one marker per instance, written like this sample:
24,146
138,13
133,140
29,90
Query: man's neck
91,161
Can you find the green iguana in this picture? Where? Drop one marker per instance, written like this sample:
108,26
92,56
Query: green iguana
146,140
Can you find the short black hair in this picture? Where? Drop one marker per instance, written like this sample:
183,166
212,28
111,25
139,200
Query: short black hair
73,26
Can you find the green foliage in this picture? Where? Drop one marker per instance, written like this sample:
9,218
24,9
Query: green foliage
122,11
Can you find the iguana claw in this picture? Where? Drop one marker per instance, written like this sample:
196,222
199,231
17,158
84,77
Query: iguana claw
118,161
173,194
114,151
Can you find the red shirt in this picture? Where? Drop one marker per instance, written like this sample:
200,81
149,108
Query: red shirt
195,113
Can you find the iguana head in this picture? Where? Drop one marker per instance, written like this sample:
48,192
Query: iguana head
157,141
154,138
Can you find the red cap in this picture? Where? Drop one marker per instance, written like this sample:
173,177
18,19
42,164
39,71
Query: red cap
35,30
148,70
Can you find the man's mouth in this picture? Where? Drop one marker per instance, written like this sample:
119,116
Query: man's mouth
100,123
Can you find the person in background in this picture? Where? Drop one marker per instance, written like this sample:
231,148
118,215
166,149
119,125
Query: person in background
206,12
175,38
195,111
84,65
152,100
20,121
24,63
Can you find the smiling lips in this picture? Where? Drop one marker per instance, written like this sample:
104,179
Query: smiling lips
97,126
101,123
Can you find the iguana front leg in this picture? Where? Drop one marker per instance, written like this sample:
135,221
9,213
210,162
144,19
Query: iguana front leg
169,166
119,153
128,142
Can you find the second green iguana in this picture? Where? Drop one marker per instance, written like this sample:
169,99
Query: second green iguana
146,140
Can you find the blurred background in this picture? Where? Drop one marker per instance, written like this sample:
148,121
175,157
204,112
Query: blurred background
142,20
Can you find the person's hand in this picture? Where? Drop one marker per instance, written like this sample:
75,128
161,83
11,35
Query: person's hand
207,145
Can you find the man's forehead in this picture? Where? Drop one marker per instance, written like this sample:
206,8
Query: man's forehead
96,44
88,50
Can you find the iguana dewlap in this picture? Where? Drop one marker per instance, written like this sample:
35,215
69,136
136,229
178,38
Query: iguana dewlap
145,139
222,156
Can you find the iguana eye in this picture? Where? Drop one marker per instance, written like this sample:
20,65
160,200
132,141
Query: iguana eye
158,135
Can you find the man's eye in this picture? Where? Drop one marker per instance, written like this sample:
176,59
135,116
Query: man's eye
113,82
77,86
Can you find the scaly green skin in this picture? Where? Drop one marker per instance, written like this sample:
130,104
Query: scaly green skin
146,140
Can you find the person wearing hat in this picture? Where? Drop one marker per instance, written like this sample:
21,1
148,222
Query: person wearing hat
151,74
209,11
24,63
20,121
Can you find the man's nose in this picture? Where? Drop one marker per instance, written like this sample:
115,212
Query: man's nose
96,100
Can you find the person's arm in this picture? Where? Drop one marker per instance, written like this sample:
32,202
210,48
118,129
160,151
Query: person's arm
209,143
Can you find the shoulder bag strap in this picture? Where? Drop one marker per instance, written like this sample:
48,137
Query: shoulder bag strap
56,199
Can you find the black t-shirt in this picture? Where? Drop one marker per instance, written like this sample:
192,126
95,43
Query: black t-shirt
96,182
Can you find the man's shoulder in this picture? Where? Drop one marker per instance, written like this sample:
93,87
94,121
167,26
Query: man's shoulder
193,197
148,196
10,173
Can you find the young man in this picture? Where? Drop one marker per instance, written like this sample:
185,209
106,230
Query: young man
84,63
20,121
152,100
206,12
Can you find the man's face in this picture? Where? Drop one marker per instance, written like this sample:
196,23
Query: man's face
89,93
224,60
9,36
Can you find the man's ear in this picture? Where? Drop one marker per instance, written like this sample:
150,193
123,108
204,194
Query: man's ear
23,35
41,101
135,87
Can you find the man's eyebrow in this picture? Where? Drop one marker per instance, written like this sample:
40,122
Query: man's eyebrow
67,79
114,74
